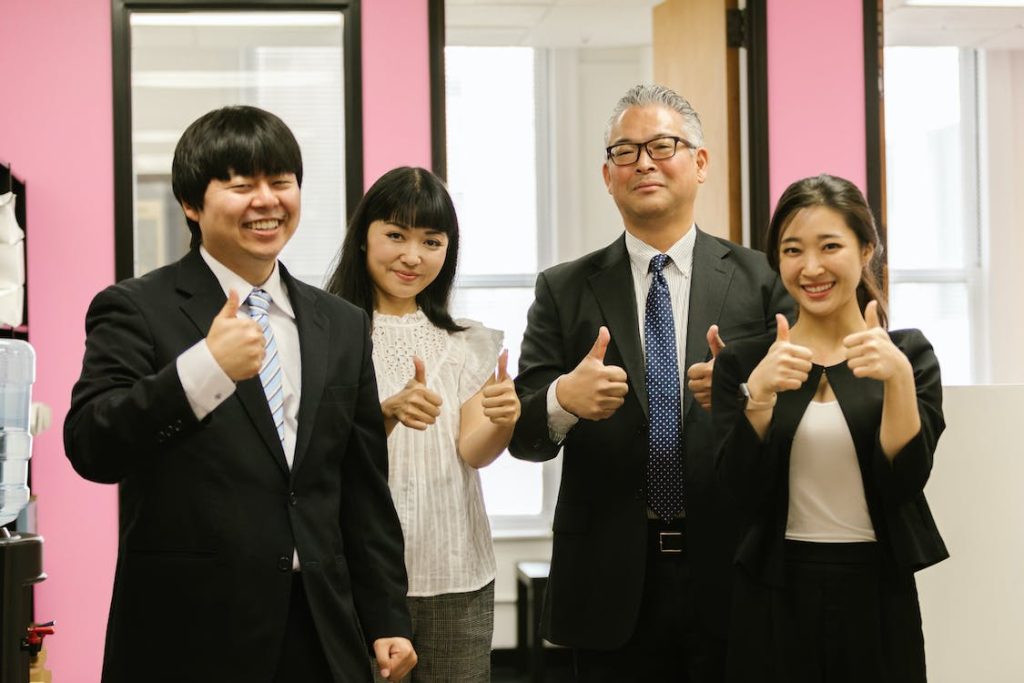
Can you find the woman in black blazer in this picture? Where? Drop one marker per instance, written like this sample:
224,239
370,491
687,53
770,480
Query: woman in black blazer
826,435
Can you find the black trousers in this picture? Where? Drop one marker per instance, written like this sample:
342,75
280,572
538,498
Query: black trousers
302,655
841,617
668,644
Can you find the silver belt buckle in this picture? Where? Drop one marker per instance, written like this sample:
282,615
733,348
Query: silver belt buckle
661,541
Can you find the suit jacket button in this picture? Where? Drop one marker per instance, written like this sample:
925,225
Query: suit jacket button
284,563
292,498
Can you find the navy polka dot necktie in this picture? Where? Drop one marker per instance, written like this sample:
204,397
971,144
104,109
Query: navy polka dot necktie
665,457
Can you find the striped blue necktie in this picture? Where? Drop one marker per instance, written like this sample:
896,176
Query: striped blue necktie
270,374
665,456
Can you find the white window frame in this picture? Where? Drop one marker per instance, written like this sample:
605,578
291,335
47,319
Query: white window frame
536,525
972,273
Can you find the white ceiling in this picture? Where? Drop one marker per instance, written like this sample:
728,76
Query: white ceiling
549,23
969,25
579,23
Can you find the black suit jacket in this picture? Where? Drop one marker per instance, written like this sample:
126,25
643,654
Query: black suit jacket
756,473
210,512
600,525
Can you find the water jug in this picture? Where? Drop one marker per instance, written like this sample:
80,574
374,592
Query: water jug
17,373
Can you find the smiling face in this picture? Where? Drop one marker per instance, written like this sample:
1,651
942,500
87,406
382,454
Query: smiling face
402,262
246,221
821,262
653,195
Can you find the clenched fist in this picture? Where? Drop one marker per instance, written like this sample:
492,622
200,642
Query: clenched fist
237,344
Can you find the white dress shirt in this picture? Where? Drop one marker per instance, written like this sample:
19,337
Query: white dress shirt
677,275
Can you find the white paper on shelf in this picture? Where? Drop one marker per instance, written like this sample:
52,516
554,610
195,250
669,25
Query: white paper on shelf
12,265
10,231
12,306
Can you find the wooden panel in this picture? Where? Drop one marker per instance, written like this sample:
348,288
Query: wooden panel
691,57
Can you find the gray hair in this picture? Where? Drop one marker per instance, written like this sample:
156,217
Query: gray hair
646,95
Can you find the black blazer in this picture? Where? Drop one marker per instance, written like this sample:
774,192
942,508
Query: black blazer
756,474
600,525
209,511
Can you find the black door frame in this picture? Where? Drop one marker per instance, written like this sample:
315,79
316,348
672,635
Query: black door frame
121,10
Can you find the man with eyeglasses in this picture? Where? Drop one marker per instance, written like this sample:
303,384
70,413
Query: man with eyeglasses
643,540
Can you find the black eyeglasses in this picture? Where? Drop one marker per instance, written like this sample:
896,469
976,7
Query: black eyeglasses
626,153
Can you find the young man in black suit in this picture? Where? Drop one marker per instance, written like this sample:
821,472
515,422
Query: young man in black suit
237,408
643,540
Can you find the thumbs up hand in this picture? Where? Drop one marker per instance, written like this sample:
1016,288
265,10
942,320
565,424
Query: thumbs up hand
699,374
871,353
784,368
237,344
415,405
593,390
500,401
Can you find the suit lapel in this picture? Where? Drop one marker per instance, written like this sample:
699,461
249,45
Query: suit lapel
202,300
613,287
313,344
861,401
202,297
710,276
792,405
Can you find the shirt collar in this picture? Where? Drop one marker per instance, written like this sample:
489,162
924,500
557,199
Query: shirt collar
229,279
681,253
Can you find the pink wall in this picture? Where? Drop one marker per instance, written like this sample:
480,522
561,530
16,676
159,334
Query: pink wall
396,86
815,91
55,128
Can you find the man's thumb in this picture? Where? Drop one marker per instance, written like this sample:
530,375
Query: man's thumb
421,370
600,344
715,342
782,329
230,309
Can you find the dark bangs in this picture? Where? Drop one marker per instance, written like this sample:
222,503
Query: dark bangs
419,202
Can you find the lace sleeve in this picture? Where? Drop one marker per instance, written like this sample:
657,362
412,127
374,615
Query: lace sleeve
482,346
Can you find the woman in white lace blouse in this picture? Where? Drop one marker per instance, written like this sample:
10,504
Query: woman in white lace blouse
438,376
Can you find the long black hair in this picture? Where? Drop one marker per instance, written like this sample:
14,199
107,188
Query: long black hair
848,201
411,198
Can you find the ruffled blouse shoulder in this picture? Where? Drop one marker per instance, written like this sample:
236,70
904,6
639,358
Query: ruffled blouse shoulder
481,348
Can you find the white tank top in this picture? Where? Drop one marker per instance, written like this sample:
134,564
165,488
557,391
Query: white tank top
826,492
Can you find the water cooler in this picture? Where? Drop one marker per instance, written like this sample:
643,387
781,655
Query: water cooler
21,554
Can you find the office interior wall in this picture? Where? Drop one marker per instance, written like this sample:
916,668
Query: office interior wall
971,603
815,91
396,86
1001,151
55,128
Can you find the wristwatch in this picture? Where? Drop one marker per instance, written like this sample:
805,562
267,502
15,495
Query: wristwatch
747,402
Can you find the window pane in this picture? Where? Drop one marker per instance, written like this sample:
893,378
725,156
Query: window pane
492,157
924,158
511,487
940,311
185,64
